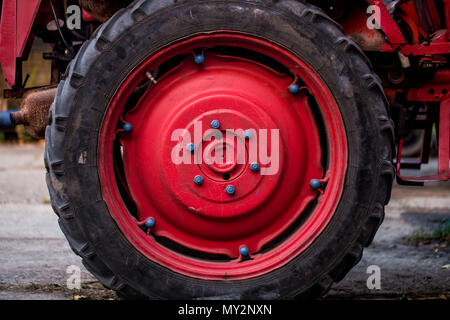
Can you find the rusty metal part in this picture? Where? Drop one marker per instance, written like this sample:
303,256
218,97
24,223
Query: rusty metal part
34,109
103,9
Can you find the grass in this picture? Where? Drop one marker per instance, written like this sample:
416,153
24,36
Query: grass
440,235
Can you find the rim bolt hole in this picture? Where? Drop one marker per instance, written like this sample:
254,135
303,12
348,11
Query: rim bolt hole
226,176
127,127
199,59
150,223
198,180
230,190
244,251
190,147
215,124
254,167
294,88
247,134
315,184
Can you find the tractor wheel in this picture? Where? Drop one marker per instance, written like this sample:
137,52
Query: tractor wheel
283,222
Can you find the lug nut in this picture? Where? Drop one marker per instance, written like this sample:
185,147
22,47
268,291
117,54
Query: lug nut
199,59
127,127
247,134
150,223
215,124
230,190
198,180
294,88
315,184
244,251
254,166
190,147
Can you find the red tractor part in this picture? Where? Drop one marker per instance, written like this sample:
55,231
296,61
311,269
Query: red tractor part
237,93
17,18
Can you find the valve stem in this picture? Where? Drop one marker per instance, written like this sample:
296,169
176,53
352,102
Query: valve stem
150,77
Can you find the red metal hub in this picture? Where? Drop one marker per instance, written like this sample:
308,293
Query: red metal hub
221,156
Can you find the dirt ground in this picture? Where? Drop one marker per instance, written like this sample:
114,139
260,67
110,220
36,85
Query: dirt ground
34,255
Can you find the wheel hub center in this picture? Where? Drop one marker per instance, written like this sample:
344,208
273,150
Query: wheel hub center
224,159
196,170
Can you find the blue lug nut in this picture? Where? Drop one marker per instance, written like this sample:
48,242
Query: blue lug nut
198,180
294,88
247,134
199,59
215,124
127,127
230,190
190,147
244,251
315,184
254,166
150,223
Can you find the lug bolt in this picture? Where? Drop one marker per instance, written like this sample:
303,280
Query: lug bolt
244,251
230,190
254,166
199,59
198,180
247,134
215,124
150,223
315,184
294,88
127,127
190,147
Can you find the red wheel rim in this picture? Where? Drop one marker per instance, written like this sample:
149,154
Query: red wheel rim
200,229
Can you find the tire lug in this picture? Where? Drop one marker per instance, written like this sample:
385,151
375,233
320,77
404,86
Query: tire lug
315,184
198,180
150,223
294,88
215,124
199,59
244,251
230,190
254,167
127,127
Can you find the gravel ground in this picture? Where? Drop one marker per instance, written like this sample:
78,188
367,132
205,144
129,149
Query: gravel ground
34,255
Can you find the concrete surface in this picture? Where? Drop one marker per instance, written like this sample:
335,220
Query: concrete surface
34,254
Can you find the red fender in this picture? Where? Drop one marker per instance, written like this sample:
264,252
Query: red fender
15,26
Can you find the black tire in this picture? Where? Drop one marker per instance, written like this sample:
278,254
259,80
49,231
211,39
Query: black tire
413,143
118,46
